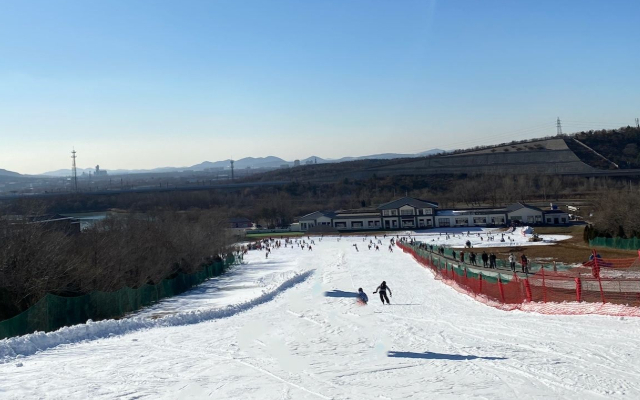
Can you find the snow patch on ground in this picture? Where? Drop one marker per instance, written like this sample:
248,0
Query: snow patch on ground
482,237
30,344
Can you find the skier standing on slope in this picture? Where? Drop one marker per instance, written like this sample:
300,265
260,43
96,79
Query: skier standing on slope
512,262
383,292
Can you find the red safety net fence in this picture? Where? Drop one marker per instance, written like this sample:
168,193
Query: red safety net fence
607,287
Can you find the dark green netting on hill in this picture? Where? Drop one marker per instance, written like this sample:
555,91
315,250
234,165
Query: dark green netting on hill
616,243
53,312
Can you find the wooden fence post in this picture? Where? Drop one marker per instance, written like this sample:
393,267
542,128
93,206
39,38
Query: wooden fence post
578,290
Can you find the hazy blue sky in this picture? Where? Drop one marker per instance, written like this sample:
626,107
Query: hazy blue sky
142,84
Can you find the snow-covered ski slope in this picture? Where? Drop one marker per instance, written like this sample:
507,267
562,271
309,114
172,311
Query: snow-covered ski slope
483,237
311,341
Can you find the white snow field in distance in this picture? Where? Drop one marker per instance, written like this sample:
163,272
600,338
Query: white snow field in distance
312,341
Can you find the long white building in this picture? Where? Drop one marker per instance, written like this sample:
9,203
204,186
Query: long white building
410,213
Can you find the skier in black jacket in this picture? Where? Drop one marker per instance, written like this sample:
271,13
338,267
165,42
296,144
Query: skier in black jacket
383,292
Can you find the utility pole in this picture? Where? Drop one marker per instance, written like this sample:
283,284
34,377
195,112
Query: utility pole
232,169
74,171
559,127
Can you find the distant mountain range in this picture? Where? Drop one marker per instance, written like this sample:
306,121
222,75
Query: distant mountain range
4,172
248,162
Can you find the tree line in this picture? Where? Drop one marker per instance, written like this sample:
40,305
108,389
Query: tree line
130,250
615,214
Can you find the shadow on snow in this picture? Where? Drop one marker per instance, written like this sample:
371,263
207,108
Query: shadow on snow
340,293
438,356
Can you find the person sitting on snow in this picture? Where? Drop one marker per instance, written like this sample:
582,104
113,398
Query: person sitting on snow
362,296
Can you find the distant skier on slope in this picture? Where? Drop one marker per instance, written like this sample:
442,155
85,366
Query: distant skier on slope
362,297
383,292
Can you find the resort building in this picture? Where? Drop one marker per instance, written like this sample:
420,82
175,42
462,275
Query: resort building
410,213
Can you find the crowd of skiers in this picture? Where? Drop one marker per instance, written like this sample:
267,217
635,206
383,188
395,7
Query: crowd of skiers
486,260
269,244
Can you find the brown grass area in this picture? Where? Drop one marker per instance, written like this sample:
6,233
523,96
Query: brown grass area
569,251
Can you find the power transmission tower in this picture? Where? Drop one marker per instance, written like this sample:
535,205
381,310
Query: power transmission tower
74,171
232,177
559,126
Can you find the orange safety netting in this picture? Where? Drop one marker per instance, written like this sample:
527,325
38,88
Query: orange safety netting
614,283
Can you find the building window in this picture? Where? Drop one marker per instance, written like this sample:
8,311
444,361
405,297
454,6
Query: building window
428,211
564,220
462,221
530,218
406,212
479,220
356,224
385,212
395,223
393,212
341,225
444,222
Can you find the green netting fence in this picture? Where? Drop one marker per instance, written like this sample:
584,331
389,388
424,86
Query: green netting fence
462,270
504,263
616,243
53,312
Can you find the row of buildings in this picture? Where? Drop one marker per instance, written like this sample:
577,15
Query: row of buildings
410,213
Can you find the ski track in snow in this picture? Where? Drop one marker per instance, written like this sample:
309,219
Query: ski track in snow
281,337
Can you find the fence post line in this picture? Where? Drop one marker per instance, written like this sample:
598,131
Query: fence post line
544,287
527,289
555,268
601,291
480,283
578,290
501,288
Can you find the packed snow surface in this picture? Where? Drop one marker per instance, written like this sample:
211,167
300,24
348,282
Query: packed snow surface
291,329
484,237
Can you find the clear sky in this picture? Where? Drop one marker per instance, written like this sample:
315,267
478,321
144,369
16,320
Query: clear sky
151,83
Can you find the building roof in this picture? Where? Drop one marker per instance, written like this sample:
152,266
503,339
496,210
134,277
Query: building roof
238,220
407,201
518,206
358,215
317,214
555,212
472,212
367,210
